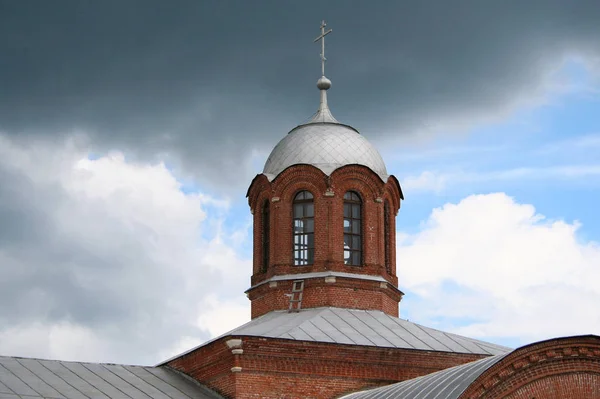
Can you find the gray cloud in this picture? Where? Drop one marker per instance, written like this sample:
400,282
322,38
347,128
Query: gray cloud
206,82
94,248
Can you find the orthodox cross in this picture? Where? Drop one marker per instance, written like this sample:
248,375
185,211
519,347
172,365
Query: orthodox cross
322,39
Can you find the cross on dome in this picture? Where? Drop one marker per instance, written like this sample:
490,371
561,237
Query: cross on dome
323,84
322,39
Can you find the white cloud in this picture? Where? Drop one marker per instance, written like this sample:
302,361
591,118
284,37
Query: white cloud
436,182
52,341
426,181
118,263
491,267
221,317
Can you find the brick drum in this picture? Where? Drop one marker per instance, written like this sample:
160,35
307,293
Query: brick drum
328,193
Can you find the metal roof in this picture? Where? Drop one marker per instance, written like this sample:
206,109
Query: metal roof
327,146
357,327
447,384
361,327
34,378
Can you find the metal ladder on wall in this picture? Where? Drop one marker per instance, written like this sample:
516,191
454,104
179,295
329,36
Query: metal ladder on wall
296,296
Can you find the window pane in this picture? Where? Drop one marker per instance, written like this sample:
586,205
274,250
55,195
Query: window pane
309,210
356,211
309,225
347,210
356,258
298,226
298,213
355,242
348,195
307,195
347,227
347,241
356,227
310,257
310,240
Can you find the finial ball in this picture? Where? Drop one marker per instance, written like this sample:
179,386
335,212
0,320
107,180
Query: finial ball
323,83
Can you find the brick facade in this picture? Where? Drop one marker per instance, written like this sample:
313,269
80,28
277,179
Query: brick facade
331,291
328,193
279,368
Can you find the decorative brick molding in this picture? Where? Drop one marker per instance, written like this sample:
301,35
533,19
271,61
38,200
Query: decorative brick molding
559,368
318,292
278,368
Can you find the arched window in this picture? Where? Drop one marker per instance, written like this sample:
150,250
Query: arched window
352,229
387,228
266,236
304,229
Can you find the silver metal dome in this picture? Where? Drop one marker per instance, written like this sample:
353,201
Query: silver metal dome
327,146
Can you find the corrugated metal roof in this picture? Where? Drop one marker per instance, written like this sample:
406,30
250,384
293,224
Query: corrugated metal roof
34,378
361,327
357,327
445,384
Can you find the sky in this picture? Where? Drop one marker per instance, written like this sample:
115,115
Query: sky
130,132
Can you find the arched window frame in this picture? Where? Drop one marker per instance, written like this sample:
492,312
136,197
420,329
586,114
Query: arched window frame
353,229
303,229
266,236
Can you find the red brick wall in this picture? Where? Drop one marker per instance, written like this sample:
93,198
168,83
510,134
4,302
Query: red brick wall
210,364
563,386
343,293
279,368
559,368
329,253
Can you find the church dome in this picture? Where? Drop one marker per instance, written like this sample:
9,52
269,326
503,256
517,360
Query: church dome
325,145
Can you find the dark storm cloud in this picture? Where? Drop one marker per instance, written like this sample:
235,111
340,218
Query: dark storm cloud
206,82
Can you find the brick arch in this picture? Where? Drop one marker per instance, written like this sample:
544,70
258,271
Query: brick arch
285,186
296,177
564,367
393,193
357,178
259,192
259,188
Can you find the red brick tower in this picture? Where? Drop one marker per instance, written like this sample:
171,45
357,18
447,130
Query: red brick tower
324,221
323,292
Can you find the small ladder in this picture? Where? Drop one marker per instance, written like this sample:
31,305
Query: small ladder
296,296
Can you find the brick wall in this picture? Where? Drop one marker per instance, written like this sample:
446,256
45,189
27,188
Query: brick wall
210,364
320,292
328,193
279,368
563,368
